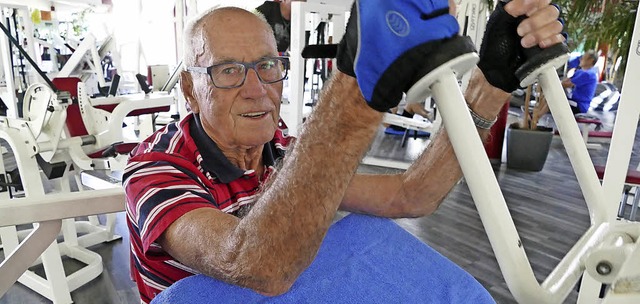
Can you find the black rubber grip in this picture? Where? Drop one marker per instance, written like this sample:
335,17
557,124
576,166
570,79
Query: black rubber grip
115,82
320,51
111,151
441,52
537,57
142,81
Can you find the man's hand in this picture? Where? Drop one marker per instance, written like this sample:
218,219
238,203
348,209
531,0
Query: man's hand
386,41
513,27
541,27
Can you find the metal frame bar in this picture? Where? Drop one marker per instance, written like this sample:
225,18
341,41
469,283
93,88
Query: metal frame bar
492,207
48,211
291,113
26,55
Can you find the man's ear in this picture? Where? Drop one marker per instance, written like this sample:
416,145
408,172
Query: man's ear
186,84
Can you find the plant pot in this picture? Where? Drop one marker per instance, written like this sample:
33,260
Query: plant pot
528,149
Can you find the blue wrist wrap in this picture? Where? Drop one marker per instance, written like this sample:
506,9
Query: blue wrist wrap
395,40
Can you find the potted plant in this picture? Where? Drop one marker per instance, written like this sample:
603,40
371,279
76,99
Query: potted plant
528,143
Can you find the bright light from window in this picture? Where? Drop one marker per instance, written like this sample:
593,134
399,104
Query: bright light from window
145,33
151,24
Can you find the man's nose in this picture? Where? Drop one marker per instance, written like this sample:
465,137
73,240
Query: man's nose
252,86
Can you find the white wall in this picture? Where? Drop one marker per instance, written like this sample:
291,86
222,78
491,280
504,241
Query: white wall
152,23
247,4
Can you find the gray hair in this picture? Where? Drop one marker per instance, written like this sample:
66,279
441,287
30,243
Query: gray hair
195,42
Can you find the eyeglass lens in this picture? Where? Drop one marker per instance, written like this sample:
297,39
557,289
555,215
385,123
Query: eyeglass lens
233,74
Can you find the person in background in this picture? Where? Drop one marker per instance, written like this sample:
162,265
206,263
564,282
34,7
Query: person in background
582,84
215,194
278,15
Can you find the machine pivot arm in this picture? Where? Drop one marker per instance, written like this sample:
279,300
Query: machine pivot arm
26,55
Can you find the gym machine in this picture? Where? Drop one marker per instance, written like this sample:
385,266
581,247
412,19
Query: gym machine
609,251
45,140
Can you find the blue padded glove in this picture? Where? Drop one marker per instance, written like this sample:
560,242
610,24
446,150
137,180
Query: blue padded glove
387,43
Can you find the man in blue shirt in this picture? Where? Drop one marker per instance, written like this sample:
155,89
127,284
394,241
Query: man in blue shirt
583,83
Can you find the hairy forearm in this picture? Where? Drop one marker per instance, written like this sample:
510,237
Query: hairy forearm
437,171
280,237
421,189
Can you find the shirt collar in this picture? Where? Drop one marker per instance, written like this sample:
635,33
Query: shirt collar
214,161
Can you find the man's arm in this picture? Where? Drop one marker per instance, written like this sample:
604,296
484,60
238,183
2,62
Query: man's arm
421,189
567,83
269,248
279,238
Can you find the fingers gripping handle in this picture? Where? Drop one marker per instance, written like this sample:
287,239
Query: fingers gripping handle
537,58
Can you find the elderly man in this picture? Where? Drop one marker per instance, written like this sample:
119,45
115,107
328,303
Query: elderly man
214,194
582,84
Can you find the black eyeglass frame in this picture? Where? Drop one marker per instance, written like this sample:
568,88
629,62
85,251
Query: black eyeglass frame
247,66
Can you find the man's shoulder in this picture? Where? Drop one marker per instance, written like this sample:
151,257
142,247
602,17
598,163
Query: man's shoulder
585,74
268,5
173,140
269,8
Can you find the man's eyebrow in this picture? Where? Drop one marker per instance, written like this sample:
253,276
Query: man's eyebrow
229,59
223,60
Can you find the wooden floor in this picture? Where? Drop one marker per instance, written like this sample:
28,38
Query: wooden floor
547,208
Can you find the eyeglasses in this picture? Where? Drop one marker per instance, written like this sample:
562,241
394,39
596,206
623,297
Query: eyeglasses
229,75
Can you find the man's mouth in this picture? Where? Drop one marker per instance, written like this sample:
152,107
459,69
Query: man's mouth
253,114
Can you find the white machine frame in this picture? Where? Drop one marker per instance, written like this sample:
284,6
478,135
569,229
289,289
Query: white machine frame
107,126
86,47
48,212
609,251
292,112
41,134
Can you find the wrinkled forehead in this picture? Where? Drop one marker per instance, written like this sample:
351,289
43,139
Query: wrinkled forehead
238,36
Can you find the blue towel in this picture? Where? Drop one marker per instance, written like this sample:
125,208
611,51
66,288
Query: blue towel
363,259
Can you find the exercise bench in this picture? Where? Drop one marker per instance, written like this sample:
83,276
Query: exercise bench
590,129
632,181
103,117
589,135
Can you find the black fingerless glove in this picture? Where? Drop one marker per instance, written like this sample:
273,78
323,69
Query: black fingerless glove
501,53
348,46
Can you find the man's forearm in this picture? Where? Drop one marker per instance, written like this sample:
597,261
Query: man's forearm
439,165
297,208
421,189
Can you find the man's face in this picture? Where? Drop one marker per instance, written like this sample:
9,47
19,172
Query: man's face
586,61
246,116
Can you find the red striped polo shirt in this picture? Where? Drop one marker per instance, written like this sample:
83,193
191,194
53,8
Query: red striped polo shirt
174,171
